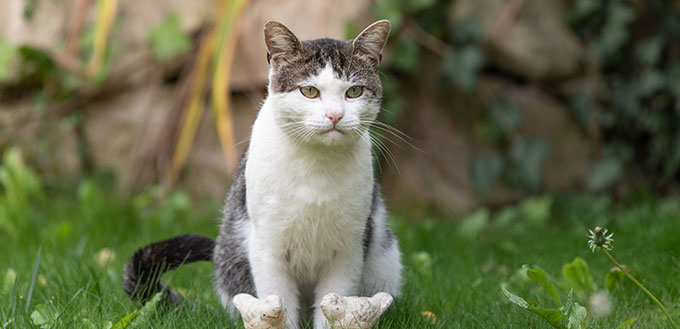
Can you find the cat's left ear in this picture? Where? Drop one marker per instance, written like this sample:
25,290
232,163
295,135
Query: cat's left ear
370,42
280,41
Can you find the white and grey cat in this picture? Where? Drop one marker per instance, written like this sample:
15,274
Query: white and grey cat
304,216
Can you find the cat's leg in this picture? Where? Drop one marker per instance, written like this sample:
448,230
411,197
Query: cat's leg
341,278
382,266
383,269
271,278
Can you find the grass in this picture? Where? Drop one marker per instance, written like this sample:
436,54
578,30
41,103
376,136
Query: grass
86,233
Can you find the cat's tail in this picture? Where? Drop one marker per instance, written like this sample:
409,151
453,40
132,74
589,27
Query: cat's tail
141,276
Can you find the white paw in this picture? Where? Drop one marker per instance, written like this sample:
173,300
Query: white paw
354,312
265,313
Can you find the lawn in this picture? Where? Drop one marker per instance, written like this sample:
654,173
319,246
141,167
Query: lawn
85,233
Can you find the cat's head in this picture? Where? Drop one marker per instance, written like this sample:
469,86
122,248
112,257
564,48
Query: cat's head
325,91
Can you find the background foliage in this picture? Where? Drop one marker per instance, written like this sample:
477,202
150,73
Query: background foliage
631,111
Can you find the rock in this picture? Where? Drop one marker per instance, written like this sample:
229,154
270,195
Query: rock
441,124
537,44
545,118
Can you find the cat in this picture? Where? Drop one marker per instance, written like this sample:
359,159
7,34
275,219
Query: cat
304,216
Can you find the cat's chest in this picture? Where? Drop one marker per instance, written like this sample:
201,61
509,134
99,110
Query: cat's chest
295,205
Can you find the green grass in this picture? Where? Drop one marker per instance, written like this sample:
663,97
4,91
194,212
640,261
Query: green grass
86,234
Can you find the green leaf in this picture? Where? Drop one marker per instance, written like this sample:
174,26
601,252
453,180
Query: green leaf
44,316
422,263
649,51
391,10
615,31
577,317
484,171
604,172
168,40
405,57
627,323
536,210
517,300
461,66
8,54
506,114
146,312
474,223
125,321
577,275
541,277
650,81
527,157
553,317
468,31
393,103
613,280
505,217
417,5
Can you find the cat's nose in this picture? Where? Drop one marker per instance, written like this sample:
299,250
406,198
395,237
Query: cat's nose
335,115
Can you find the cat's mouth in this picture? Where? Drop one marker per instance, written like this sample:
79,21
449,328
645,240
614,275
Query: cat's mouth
333,130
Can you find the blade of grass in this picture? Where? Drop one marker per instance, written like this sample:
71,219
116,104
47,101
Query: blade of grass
14,297
33,278
230,13
106,14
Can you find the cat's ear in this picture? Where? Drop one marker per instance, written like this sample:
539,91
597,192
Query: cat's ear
370,42
280,41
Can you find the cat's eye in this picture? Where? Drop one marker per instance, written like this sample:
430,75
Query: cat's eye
354,91
309,92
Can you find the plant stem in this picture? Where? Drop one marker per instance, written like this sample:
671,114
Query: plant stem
649,294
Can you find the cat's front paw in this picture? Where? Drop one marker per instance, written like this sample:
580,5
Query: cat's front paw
354,312
267,313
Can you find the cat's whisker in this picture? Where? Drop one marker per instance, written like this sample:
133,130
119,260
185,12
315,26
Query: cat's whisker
406,139
387,154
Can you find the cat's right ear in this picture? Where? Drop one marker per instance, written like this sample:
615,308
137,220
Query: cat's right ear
280,41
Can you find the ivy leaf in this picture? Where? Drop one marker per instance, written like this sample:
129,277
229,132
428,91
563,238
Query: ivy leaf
417,5
406,58
541,277
505,114
577,275
649,51
391,10
168,40
615,31
604,172
484,172
527,157
461,66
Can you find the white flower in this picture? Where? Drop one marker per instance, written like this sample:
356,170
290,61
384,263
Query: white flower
600,303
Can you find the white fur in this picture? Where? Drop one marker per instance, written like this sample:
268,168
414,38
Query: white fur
309,195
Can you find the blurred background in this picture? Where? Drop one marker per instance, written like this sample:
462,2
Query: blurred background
494,100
